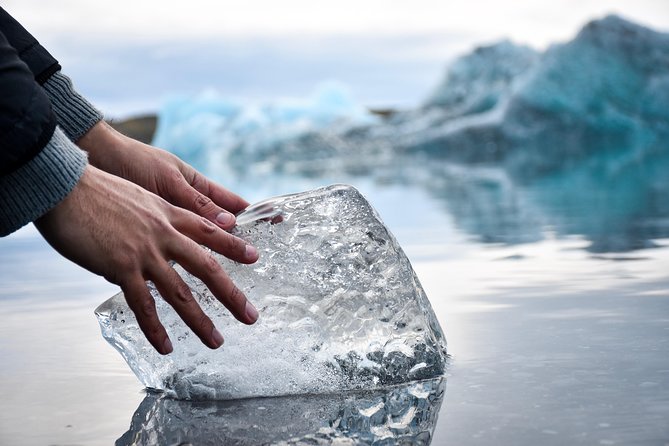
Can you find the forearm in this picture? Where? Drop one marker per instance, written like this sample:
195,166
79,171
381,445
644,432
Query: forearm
110,150
39,165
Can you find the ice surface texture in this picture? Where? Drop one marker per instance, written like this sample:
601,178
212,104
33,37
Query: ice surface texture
340,309
403,414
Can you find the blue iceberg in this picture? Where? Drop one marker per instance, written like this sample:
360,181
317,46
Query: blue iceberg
603,94
478,81
512,140
209,130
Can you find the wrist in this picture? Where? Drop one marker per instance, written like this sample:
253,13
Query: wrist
105,146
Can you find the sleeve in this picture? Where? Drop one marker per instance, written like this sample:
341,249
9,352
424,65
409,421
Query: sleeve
39,185
74,114
39,166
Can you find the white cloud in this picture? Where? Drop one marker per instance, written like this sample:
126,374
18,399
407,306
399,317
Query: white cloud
529,21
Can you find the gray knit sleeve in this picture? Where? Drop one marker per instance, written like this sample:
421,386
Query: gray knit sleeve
74,114
36,187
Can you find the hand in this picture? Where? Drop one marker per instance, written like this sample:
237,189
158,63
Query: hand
162,173
128,235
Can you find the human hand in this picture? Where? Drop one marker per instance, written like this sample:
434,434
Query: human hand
161,173
128,235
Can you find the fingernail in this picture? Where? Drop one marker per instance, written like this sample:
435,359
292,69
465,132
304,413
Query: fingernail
251,312
225,219
251,252
218,337
167,346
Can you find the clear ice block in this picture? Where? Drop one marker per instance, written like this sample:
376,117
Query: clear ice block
340,309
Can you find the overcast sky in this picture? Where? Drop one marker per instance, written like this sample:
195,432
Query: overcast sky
531,21
390,52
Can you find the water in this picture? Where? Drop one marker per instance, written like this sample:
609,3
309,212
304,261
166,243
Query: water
547,267
550,343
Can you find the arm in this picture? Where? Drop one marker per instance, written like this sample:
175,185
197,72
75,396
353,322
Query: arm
102,222
38,168
153,169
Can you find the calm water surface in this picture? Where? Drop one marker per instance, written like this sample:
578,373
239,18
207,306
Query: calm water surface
551,343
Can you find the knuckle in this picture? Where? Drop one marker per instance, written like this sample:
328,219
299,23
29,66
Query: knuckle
236,296
165,226
204,324
234,245
154,256
207,227
202,202
200,183
168,238
175,175
211,265
182,295
120,273
159,222
143,307
146,308
127,264
153,331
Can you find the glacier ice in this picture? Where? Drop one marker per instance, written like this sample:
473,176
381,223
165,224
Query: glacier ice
340,309
477,81
402,414
210,128
602,94
577,137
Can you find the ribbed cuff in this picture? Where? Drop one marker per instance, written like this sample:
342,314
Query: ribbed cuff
36,187
74,114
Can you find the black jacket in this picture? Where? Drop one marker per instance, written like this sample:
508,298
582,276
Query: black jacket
26,119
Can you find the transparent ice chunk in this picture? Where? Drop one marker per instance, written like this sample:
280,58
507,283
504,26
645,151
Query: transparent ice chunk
340,309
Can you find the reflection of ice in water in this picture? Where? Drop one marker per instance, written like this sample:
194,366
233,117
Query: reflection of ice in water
340,305
404,414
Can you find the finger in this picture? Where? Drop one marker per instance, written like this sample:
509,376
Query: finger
220,195
203,265
142,304
176,293
187,197
206,233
